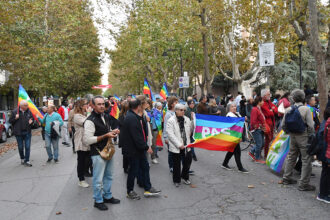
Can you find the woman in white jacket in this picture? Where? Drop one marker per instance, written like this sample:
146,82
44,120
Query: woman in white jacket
231,109
179,129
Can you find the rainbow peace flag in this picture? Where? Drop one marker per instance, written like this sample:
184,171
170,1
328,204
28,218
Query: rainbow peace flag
115,111
147,90
278,152
158,120
116,97
133,96
22,95
164,92
217,133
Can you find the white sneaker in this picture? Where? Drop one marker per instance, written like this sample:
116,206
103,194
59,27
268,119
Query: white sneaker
154,161
316,164
83,184
187,182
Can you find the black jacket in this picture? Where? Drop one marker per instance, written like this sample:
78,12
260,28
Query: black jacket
21,125
134,135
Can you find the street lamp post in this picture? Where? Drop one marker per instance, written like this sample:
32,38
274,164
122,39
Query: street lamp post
300,67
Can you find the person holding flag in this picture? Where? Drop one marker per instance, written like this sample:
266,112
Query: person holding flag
21,120
157,119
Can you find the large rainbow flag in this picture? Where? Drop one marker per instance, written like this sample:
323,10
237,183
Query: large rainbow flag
22,95
158,120
278,152
164,92
116,97
147,90
217,133
115,111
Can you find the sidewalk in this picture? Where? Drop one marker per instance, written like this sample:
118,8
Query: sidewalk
32,192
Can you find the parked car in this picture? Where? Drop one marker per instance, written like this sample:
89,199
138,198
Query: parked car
3,133
4,120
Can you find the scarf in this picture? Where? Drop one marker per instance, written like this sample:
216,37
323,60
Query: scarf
182,130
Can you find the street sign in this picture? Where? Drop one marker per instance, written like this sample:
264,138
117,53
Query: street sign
184,82
266,54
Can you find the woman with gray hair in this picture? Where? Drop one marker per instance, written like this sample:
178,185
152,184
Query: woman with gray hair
179,128
231,109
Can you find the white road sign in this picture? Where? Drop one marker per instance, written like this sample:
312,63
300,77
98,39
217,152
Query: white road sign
267,54
184,82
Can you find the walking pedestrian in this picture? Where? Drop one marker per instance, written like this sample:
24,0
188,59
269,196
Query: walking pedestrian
123,112
179,129
191,110
269,110
257,128
71,126
44,111
299,131
134,133
83,150
171,102
21,120
53,121
157,116
97,131
202,107
231,108
64,112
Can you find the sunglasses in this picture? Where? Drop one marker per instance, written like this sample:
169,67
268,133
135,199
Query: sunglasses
182,110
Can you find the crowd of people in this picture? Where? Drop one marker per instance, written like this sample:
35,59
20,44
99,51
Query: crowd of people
146,128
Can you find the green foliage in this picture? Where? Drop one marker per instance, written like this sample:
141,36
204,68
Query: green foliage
51,47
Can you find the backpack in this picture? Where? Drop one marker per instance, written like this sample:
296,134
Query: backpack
293,121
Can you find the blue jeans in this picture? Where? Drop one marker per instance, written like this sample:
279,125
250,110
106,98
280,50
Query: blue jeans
24,143
138,168
50,142
258,136
102,178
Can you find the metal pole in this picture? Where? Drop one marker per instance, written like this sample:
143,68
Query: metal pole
181,66
300,67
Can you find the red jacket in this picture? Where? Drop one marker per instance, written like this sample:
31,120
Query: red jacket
286,104
327,136
257,119
269,110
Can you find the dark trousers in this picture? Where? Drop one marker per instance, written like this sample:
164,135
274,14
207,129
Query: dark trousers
43,132
125,162
177,158
137,165
72,133
24,144
170,159
88,163
237,154
82,166
325,180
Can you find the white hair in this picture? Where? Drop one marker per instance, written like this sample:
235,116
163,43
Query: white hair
158,104
264,92
23,102
179,106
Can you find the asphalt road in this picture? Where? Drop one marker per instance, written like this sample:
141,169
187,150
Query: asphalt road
50,191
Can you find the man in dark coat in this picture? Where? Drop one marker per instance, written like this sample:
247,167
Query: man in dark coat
21,121
134,133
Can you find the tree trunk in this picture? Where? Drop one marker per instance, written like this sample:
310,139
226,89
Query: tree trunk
206,53
320,56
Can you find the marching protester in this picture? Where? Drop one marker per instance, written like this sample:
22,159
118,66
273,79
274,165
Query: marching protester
213,108
44,111
202,107
156,125
71,127
257,127
269,110
324,156
298,122
179,129
191,110
53,122
231,109
64,112
122,115
171,102
21,120
134,135
97,131
83,150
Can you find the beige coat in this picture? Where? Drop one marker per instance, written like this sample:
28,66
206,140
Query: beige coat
78,123
174,134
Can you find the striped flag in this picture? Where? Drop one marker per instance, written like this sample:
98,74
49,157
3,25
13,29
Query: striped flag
116,97
217,133
22,95
158,120
115,111
147,90
164,92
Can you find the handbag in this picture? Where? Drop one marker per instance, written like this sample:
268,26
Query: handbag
281,108
108,151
